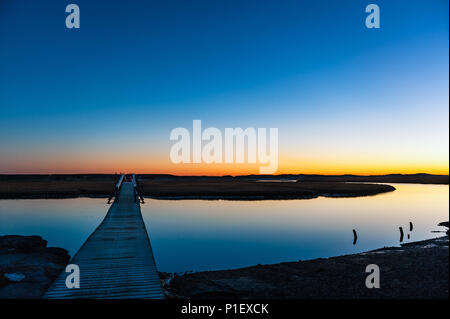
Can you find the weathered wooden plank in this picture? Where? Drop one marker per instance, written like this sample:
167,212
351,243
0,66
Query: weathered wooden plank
116,261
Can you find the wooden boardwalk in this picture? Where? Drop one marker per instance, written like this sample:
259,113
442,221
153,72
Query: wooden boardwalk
116,261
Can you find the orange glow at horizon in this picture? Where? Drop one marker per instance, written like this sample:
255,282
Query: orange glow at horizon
162,165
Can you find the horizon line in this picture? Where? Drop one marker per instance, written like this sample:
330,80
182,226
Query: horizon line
225,175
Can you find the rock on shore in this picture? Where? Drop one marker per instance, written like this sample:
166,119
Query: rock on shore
28,266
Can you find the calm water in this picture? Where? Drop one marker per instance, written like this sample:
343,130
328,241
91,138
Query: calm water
200,235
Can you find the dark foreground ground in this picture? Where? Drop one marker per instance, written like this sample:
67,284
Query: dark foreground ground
28,266
415,270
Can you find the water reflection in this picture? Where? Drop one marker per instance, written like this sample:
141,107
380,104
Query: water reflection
200,235
64,223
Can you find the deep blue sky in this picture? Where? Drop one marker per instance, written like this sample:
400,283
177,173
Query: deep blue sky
311,68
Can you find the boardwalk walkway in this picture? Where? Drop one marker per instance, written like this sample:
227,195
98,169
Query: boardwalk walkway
116,261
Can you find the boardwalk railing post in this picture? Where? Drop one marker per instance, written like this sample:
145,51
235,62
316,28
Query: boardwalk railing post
137,192
117,187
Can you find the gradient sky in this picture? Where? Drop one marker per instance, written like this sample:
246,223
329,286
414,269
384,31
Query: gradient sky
104,98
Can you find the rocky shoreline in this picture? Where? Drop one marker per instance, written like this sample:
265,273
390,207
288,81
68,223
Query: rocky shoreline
28,266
